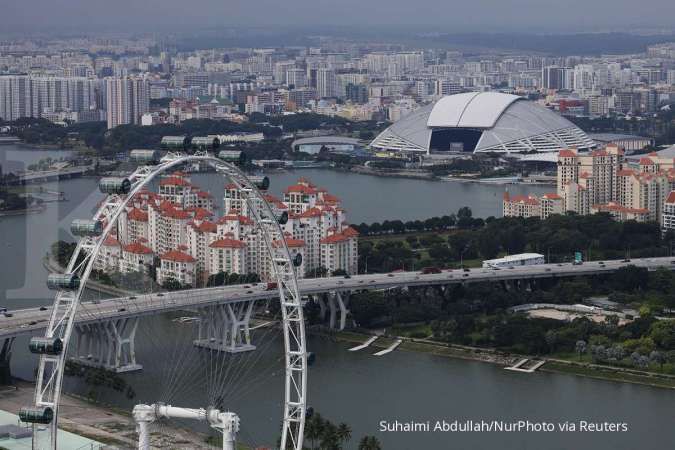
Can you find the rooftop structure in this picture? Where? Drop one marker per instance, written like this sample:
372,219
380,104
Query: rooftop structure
481,122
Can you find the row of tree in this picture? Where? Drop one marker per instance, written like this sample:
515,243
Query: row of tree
597,236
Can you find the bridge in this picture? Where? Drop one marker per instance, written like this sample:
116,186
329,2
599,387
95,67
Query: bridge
114,320
39,176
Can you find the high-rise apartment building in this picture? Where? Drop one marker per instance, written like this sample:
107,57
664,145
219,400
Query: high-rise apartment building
127,100
554,77
326,83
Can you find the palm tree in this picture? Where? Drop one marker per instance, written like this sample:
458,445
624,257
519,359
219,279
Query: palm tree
329,437
344,432
369,443
313,429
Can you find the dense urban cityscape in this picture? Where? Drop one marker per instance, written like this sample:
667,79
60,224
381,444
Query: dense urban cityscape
375,237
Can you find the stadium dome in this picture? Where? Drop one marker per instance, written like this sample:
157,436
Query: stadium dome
481,122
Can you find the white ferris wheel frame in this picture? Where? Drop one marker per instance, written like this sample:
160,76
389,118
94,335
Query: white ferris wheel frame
51,367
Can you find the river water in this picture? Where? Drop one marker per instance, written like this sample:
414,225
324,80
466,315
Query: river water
357,388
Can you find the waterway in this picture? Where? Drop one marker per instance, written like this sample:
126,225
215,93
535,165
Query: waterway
356,388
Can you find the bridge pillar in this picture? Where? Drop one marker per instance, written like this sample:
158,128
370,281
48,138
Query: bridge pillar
343,303
333,311
322,306
109,344
5,360
226,327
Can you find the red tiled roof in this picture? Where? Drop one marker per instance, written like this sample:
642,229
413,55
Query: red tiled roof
227,243
290,243
567,153
312,212
625,172
671,197
552,196
201,213
350,232
524,199
205,227
612,206
111,242
137,248
174,181
329,198
301,189
178,256
204,194
646,162
235,217
138,214
345,235
174,213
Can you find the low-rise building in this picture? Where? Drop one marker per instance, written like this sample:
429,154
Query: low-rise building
179,266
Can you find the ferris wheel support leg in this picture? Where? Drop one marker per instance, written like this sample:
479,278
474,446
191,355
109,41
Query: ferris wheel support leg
144,415
5,358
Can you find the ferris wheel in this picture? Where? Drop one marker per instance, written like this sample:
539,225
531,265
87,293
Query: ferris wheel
71,306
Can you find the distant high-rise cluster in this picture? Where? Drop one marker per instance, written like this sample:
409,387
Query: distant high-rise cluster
79,98
354,80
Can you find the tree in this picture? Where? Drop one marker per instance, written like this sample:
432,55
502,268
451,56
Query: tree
369,443
662,333
171,284
658,358
488,244
344,432
313,429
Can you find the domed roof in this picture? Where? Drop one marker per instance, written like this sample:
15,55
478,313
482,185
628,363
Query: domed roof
482,122
470,110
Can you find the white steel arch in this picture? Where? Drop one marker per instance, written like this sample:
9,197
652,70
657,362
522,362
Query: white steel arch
51,367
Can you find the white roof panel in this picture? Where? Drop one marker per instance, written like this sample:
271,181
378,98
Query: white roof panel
484,109
447,112
470,110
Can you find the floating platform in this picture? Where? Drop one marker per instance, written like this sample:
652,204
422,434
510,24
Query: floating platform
364,345
526,365
389,349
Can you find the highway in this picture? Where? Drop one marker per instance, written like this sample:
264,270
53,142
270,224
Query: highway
32,320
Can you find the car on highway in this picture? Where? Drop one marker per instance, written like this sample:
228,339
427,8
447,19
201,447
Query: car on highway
430,270
9,314
390,274
43,308
3,309
121,310
466,269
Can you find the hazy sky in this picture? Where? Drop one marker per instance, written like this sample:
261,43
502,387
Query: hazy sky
446,15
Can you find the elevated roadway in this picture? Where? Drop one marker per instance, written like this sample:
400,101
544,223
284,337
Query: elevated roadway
31,320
